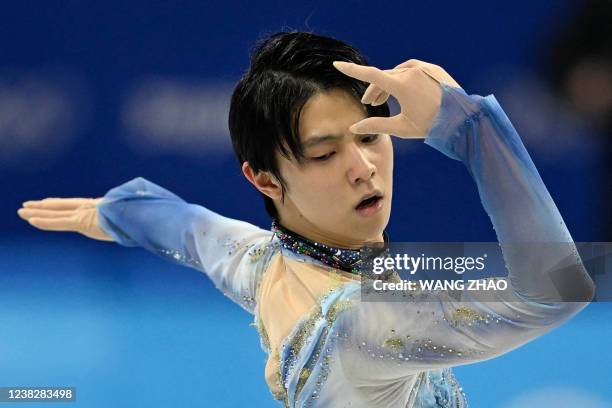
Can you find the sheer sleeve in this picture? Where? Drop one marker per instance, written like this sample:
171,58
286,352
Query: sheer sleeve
230,252
548,284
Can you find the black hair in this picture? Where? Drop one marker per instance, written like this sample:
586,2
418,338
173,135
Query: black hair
286,69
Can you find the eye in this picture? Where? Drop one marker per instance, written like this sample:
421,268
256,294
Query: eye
370,138
324,157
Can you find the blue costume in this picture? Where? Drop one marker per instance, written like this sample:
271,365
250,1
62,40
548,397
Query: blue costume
345,352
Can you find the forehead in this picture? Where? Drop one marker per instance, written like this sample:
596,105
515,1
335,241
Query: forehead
330,112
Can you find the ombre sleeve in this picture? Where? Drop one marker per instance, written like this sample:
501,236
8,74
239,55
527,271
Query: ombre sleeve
547,281
230,252
534,239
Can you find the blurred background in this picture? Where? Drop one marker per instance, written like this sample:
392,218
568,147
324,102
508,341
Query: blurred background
95,94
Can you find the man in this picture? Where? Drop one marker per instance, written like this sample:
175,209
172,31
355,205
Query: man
316,143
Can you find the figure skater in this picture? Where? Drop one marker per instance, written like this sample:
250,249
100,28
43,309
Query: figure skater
315,139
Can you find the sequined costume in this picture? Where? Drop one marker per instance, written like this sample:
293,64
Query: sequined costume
328,349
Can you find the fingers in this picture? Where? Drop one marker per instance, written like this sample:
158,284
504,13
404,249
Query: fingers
27,213
53,224
382,98
370,94
51,220
59,203
374,96
416,86
53,214
367,74
64,214
398,125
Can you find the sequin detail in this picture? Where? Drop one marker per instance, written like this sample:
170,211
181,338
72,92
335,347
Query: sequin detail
306,352
180,257
438,389
349,260
465,316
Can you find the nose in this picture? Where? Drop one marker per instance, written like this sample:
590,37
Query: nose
360,167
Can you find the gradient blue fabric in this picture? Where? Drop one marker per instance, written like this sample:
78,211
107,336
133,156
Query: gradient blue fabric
389,354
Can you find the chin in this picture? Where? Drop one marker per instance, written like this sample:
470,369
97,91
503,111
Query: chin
372,231
374,225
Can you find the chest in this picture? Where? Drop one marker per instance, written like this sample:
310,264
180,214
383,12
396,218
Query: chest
289,290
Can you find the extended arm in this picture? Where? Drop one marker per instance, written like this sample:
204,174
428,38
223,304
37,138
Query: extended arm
140,213
231,252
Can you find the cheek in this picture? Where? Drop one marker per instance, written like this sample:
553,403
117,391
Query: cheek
314,186
321,195
323,184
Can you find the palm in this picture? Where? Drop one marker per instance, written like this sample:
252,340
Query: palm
65,214
416,86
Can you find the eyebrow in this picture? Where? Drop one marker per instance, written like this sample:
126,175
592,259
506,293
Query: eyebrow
313,141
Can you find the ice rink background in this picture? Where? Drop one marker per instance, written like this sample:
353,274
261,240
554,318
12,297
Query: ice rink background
93,95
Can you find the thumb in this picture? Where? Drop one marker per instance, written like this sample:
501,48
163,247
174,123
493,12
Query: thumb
395,125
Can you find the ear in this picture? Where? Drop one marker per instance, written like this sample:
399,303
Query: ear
263,181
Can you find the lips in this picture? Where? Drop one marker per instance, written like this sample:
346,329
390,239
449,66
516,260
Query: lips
369,199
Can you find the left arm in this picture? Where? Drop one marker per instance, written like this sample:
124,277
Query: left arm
547,281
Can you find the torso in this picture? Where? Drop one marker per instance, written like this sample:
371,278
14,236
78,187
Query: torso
288,291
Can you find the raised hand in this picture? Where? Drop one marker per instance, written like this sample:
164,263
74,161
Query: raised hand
416,86
65,214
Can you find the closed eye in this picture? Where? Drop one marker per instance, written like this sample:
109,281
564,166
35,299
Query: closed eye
324,157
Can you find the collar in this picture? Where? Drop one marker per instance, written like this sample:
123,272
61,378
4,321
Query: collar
348,260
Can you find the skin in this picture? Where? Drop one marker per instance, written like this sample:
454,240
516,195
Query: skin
321,195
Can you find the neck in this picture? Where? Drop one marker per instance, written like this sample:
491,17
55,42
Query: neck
311,232
347,259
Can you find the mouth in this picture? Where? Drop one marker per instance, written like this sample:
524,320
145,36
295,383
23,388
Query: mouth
370,203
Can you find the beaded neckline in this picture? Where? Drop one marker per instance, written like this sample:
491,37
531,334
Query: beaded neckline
348,260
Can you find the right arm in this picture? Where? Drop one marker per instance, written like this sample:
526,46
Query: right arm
232,253
229,251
